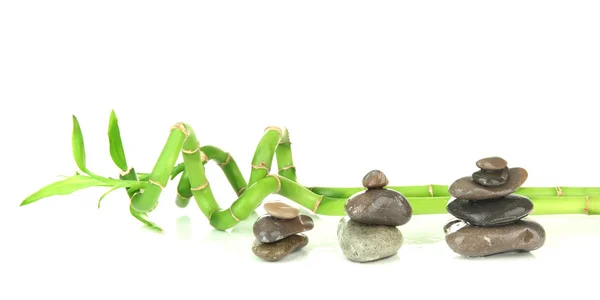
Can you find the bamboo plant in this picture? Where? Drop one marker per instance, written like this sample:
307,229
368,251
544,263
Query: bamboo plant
144,189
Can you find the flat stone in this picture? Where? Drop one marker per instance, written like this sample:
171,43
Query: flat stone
280,249
281,210
491,178
466,188
492,212
379,207
476,241
269,229
491,163
364,243
375,180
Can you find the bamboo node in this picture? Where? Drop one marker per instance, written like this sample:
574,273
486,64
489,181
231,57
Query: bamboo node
182,197
126,171
262,165
276,129
287,168
240,191
317,204
278,182
181,127
233,215
156,183
226,160
587,205
559,191
191,151
431,190
200,187
211,214
133,196
203,156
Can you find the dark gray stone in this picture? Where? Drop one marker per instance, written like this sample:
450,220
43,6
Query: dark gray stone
269,229
492,212
491,163
466,188
491,178
379,207
375,180
280,249
476,241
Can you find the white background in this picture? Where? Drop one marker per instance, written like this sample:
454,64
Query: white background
418,89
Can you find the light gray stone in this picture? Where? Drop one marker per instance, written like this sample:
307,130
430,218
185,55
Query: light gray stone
366,243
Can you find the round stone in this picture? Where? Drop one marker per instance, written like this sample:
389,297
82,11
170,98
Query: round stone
281,210
375,180
466,188
492,212
280,249
379,207
269,229
476,241
491,163
366,243
491,178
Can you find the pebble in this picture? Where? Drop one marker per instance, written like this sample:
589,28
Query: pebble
492,212
491,178
379,207
281,210
375,180
269,229
475,241
492,163
466,188
280,249
366,243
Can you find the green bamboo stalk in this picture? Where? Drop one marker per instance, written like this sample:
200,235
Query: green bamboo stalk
228,165
184,191
285,162
263,156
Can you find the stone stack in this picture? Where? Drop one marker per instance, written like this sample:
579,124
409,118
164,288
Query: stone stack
490,219
370,231
280,232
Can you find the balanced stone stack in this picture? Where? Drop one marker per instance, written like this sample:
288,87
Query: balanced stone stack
369,232
280,232
490,219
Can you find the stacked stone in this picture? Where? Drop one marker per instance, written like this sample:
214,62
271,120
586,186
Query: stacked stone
279,232
490,219
369,232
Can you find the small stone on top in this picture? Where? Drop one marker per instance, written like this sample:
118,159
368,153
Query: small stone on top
281,210
375,180
492,163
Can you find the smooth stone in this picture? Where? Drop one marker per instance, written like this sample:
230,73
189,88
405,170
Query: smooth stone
476,241
491,163
375,180
466,188
280,249
364,243
379,207
269,229
492,212
281,210
491,178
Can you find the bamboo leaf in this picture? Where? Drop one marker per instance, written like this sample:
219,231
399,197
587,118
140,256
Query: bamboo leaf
78,146
116,144
125,184
64,187
143,217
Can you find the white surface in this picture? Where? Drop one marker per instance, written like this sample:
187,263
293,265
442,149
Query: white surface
420,90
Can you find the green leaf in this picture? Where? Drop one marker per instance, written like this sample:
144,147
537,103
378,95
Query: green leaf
78,146
124,184
64,187
116,144
143,217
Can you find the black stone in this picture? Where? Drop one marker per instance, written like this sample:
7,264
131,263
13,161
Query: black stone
491,178
491,212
